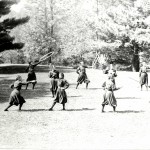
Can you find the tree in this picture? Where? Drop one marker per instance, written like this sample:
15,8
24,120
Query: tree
38,33
6,25
125,31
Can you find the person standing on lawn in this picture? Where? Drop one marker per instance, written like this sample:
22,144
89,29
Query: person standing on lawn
31,73
143,76
108,96
61,96
53,75
81,70
15,96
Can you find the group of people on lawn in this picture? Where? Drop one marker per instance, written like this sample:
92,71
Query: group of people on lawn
58,85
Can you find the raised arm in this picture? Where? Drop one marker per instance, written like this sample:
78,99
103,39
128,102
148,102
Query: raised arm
27,69
37,63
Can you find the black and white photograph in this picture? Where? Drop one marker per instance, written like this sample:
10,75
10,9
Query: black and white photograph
74,74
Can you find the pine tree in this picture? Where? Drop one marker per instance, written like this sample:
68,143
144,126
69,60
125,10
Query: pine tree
6,25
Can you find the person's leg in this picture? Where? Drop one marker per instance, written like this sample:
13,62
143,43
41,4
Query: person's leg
52,106
114,108
20,106
87,85
63,106
27,85
141,87
103,107
7,107
53,93
77,85
146,87
33,85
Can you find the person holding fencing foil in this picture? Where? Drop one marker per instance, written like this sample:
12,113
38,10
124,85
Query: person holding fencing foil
31,73
30,69
61,96
143,76
81,70
15,96
108,96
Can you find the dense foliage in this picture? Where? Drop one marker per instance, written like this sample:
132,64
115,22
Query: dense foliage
79,30
6,25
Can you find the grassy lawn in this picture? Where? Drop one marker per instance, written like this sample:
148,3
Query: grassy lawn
82,125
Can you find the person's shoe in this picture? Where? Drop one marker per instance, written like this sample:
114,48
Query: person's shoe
50,109
5,109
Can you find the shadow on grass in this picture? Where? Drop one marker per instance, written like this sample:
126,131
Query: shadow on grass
33,110
127,98
133,79
36,110
83,109
125,111
94,88
41,90
129,111
74,96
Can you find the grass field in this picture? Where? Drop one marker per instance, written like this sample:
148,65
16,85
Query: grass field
82,125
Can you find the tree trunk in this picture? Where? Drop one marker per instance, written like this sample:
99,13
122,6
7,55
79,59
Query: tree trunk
135,62
50,58
135,58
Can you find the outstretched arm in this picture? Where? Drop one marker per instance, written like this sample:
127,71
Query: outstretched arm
27,69
37,63
11,85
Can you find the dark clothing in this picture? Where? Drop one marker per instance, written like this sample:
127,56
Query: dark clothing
143,76
61,96
31,73
53,82
31,76
81,70
15,96
53,86
108,97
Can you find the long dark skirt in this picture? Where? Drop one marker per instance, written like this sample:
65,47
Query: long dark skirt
109,98
144,78
31,76
53,85
61,96
83,78
15,98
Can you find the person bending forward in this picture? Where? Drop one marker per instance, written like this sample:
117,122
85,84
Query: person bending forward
81,70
